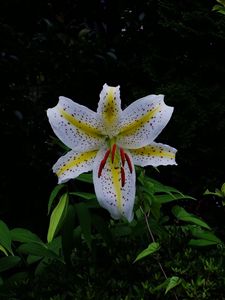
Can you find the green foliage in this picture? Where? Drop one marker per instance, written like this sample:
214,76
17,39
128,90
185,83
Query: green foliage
57,217
153,247
87,247
220,8
219,193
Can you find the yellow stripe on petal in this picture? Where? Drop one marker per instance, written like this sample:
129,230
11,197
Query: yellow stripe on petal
76,162
155,154
87,128
132,127
110,109
153,151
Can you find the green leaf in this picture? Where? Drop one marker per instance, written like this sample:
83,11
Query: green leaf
33,259
221,2
85,178
172,282
2,249
53,195
201,242
153,247
206,235
57,217
85,221
5,237
181,214
219,8
223,189
171,197
217,193
24,236
87,196
8,262
37,250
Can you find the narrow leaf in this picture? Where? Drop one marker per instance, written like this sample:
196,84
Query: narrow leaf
2,249
223,189
201,242
24,236
57,217
172,282
37,250
183,215
206,235
5,237
53,195
87,196
153,247
8,262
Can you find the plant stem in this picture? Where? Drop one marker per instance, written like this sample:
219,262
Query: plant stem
153,239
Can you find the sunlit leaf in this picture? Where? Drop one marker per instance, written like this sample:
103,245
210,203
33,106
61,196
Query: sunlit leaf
172,282
57,217
8,262
217,193
5,237
2,249
53,195
153,247
181,214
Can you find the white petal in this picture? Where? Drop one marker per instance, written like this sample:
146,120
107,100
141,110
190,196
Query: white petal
75,125
118,200
109,109
155,154
142,121
73,164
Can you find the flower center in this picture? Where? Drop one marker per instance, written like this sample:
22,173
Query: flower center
118,158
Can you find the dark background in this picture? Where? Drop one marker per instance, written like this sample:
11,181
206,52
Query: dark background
71,48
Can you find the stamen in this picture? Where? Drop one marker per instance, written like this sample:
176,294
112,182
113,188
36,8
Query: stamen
122,155
129,162
103,162
113,152
122,176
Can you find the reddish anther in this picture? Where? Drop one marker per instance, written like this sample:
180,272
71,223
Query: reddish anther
103,162
113,152
129,162
122,155
122,176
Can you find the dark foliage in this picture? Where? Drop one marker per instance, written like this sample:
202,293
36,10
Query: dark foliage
71,48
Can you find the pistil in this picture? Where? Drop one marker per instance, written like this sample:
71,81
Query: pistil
113,152
123,178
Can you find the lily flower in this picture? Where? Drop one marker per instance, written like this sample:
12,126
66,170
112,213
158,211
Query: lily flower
110,142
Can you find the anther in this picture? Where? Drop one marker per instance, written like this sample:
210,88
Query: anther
122,176
103,162
122,155
129,162
113,152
